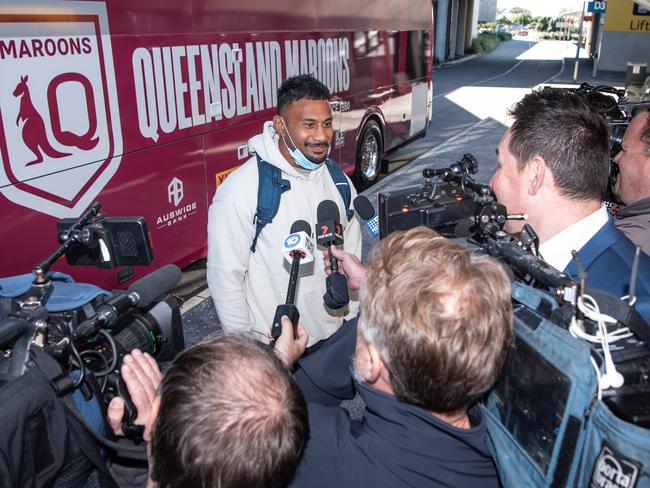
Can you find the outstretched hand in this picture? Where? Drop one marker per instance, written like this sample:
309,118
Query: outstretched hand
141,376
349,265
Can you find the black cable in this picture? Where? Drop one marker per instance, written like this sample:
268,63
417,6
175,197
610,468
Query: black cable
82,368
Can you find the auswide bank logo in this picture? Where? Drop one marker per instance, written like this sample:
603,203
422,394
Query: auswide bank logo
60,135
175,191
175,194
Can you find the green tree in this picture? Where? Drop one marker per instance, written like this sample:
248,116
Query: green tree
544,24
523,18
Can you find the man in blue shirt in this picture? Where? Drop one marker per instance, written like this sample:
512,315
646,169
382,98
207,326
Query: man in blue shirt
553,165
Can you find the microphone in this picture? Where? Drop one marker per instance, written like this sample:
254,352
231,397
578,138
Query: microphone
330,233
142,293
156,284
296,248
366,211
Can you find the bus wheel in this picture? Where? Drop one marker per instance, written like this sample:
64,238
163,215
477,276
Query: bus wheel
369,155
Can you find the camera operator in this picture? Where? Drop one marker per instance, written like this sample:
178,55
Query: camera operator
227,414
633,184
553,164
434,325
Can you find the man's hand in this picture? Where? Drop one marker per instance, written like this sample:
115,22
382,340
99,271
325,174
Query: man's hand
142,376
349,265
286,347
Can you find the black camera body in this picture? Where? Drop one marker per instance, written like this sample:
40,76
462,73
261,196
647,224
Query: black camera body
445,198
85,329
440,207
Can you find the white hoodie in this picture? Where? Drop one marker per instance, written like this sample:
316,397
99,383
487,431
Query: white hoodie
247,287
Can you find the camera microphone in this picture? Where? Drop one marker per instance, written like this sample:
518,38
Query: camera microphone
367,213
156,284
329,232
141,293
297,248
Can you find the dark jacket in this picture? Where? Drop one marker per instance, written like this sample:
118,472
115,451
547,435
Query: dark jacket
607,259
394,445
634,221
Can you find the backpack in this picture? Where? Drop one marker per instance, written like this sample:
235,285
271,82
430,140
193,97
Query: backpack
272,186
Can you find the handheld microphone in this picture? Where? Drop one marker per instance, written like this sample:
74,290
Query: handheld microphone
367,213
296,248
329,232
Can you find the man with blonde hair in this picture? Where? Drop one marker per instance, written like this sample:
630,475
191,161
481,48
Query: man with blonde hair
431,338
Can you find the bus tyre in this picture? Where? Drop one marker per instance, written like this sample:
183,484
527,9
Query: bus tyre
369,155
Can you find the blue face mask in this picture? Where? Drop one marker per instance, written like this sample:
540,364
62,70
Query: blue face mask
297,155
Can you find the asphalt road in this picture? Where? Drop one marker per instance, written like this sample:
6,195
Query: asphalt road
492,73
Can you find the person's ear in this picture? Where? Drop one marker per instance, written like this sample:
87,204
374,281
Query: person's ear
151,420
372,367
535,174
279,126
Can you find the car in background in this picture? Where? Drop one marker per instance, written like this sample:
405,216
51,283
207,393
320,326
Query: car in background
522,32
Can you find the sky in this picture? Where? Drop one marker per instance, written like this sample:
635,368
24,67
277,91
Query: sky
549,8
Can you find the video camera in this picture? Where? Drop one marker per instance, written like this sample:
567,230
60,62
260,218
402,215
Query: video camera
445,198
457,206
84,328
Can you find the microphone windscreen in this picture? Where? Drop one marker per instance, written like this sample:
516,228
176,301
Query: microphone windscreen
301,226
327,210
155,284
337,295
363,207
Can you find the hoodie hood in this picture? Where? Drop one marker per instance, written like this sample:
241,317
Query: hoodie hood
266,146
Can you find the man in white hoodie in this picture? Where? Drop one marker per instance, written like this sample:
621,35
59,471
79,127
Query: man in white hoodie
247,286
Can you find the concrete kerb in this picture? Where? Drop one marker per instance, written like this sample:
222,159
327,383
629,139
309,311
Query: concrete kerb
460,60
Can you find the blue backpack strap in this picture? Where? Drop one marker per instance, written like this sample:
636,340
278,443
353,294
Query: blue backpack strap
342,185
270,189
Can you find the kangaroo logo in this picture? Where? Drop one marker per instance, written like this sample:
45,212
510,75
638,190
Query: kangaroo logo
60,134
33,130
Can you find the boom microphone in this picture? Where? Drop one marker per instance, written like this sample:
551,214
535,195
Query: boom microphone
367,213
141,293
297,247
156,284
330,233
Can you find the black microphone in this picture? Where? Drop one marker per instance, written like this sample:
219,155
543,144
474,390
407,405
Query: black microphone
329,232
366,212
297,247
142,293
156,284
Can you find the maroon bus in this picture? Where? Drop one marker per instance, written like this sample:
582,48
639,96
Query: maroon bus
147,106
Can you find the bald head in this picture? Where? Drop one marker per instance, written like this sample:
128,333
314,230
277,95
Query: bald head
230,415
